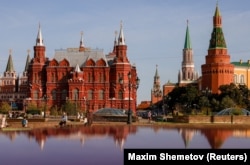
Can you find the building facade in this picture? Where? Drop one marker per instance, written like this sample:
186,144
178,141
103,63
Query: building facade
242,73
86,77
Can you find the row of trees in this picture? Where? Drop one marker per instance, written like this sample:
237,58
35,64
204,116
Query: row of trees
190,100
69,107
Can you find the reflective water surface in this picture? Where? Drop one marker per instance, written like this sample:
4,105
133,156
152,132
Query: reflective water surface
103,145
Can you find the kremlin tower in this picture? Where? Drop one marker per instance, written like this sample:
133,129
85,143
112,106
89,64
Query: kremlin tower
217,69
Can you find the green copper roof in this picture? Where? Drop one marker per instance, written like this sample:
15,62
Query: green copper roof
243,64
217,39
10,66
187,44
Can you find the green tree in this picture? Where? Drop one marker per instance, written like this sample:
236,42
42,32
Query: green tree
227,102
5,107
69,108
33,109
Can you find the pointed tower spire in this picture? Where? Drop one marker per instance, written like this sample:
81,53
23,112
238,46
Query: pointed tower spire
77,68
10,66
217,37
156,73
187,44
39,39
115,42
81,48
121,39
27,61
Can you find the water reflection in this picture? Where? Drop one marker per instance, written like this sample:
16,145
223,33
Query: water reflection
86,144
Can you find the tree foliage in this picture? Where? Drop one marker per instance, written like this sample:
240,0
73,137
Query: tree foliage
230,96
5,107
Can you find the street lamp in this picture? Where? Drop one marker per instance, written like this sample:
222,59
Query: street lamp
25,106
129,119
45,98
85,105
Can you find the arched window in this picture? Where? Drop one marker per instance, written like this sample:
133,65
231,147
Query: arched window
120,95
101,94
75,94
90,94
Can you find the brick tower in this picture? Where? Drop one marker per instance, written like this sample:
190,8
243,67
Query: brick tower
217,70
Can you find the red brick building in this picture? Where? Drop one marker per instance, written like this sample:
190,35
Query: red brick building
86,77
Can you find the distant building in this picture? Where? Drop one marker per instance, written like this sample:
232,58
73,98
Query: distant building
156,92
242,73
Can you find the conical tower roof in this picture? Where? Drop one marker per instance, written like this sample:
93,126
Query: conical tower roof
187,44
10,66
217,37
27,62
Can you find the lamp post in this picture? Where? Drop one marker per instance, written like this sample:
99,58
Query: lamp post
45,98
129,105
85,105
25,106
130,85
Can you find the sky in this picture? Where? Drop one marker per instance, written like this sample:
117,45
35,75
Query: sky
154,31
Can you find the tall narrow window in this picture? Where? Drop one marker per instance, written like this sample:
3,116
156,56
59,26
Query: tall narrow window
242,81
101,94
235,79
90,94
120,95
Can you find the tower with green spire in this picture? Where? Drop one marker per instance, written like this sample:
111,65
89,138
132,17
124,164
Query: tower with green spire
187,75
217,69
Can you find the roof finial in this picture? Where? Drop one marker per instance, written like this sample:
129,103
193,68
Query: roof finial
28,51
121,24
10,51
115,42
187,22
81,42
39,39
81,48
121,39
